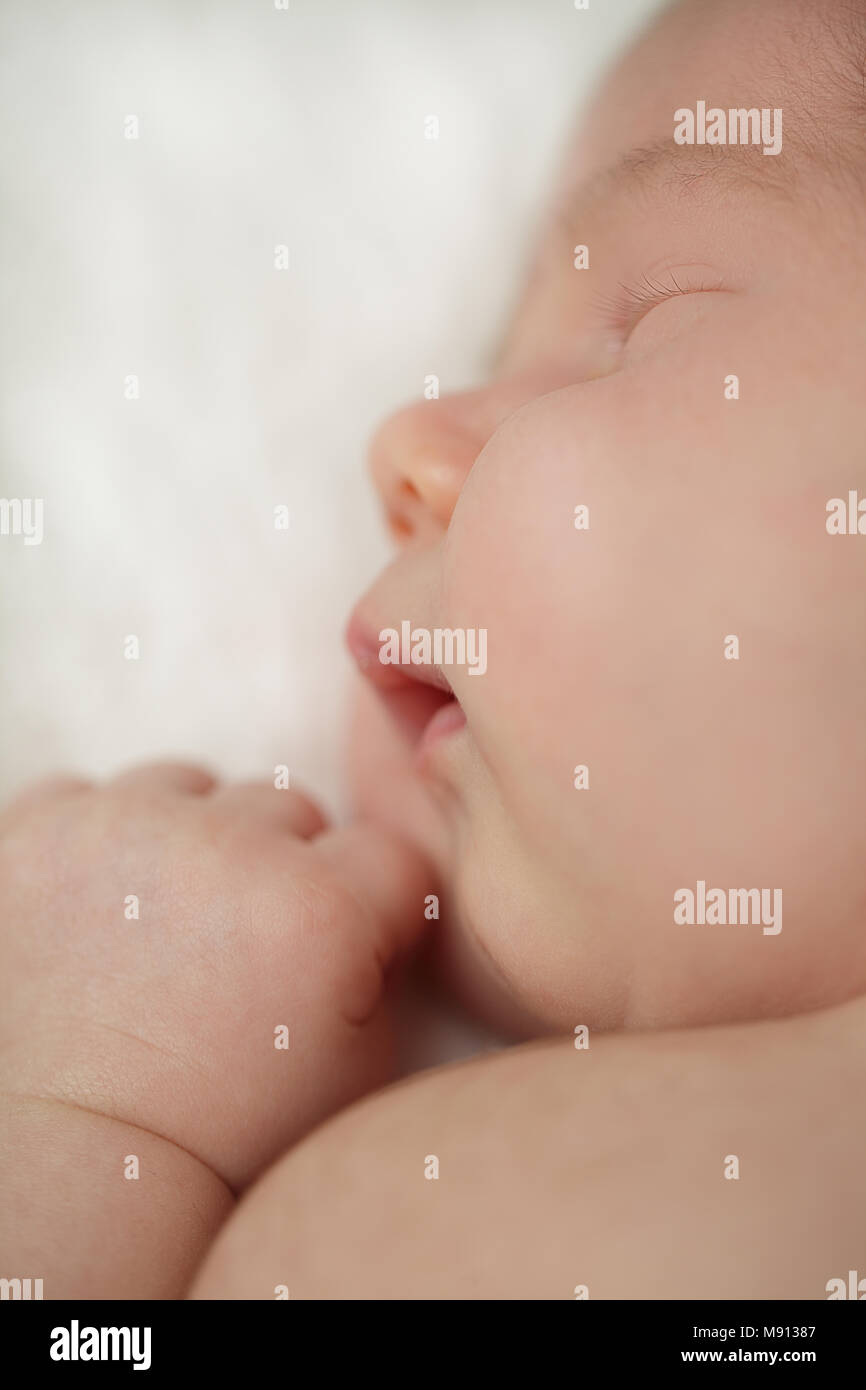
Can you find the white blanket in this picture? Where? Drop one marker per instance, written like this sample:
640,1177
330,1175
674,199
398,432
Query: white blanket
154,258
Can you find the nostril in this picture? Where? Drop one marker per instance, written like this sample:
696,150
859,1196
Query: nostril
399,528
402,507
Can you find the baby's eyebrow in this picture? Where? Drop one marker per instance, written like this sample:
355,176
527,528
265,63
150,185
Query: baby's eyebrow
666,167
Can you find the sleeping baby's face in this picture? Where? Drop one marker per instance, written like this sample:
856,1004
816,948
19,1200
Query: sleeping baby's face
634,511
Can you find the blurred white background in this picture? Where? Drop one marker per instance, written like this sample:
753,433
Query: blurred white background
155,257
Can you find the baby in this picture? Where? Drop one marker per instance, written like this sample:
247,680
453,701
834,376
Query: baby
631,835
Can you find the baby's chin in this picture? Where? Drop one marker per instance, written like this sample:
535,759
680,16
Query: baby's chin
385,786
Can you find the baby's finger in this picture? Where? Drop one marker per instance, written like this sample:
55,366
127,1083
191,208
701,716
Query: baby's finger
278,808
166,777
387,876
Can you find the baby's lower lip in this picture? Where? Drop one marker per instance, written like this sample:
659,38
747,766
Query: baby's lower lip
447,720
426,713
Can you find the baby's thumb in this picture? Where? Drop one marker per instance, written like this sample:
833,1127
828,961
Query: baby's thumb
388,877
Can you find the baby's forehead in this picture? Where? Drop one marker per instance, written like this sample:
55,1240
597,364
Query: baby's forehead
732,64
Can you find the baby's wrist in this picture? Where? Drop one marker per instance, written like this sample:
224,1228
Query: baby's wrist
96,1208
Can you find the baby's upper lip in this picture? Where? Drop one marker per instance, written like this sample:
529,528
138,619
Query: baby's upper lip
363,642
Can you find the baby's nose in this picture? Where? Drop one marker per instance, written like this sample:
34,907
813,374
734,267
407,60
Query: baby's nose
422,455
420,458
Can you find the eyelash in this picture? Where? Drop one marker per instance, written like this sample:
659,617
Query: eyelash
622,312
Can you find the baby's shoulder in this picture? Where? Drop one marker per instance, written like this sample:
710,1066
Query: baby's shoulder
624,1166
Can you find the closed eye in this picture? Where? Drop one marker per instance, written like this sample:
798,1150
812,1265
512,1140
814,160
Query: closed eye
622,311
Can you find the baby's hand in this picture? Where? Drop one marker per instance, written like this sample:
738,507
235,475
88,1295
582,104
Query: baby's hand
206,963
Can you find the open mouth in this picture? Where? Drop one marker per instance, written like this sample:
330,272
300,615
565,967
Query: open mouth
419,698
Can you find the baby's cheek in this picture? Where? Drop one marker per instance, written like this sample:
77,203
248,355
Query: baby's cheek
534,559
654,581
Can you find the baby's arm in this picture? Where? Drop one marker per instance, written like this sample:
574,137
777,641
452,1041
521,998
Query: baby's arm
73,1215
609,1168
191,978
